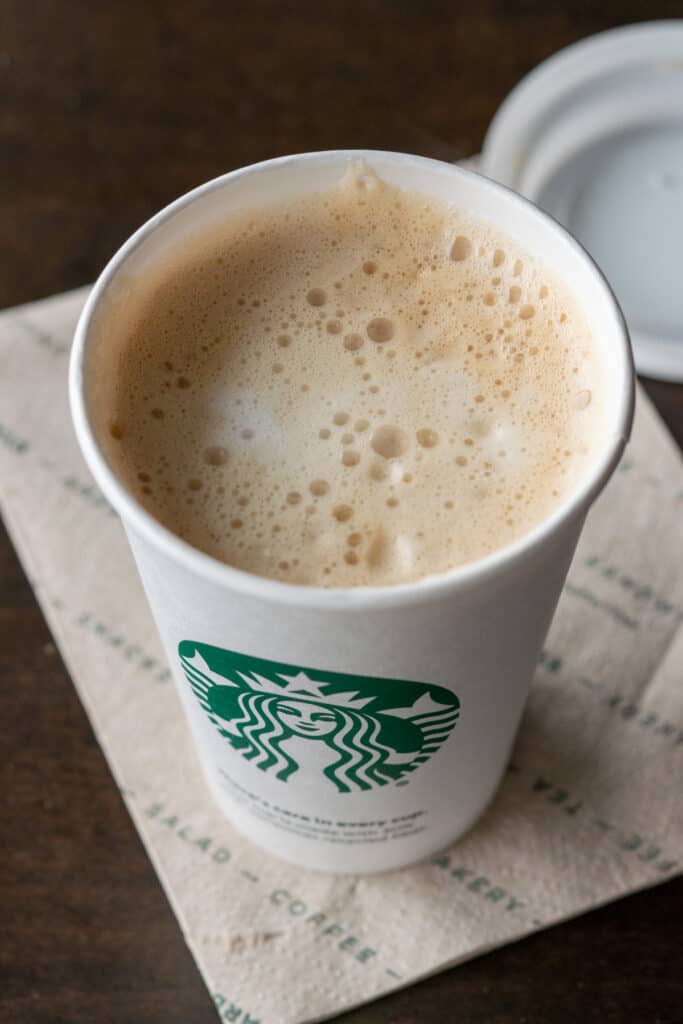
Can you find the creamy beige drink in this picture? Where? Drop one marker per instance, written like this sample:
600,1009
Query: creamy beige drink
362,387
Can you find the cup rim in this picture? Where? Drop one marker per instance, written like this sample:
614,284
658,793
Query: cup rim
277,592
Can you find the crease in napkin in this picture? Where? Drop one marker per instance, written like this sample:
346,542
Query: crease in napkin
590,808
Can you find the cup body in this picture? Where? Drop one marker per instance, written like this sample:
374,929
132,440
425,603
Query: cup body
355,730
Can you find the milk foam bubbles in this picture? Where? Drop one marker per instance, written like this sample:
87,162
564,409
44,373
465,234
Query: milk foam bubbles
363,387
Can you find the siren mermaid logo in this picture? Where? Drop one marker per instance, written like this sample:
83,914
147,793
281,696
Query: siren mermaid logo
358,732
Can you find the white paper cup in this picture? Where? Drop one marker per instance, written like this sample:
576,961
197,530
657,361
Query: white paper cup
356,730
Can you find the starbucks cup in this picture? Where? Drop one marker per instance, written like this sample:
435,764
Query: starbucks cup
360,729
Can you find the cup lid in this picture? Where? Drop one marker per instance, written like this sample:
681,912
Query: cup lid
594,136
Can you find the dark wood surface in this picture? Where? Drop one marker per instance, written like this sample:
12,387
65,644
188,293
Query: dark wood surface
108,111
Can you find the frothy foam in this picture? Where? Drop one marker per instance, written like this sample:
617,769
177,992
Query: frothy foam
360,388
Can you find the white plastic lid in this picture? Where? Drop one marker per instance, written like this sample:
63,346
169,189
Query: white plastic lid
594,136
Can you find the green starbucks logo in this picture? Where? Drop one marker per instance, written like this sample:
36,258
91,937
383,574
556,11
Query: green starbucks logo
358,731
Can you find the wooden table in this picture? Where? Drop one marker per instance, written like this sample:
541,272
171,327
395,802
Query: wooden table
108,112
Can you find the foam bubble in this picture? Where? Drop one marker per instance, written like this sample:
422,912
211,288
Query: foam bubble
216,455
461,249
342,513
389,442
380,329
427,438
